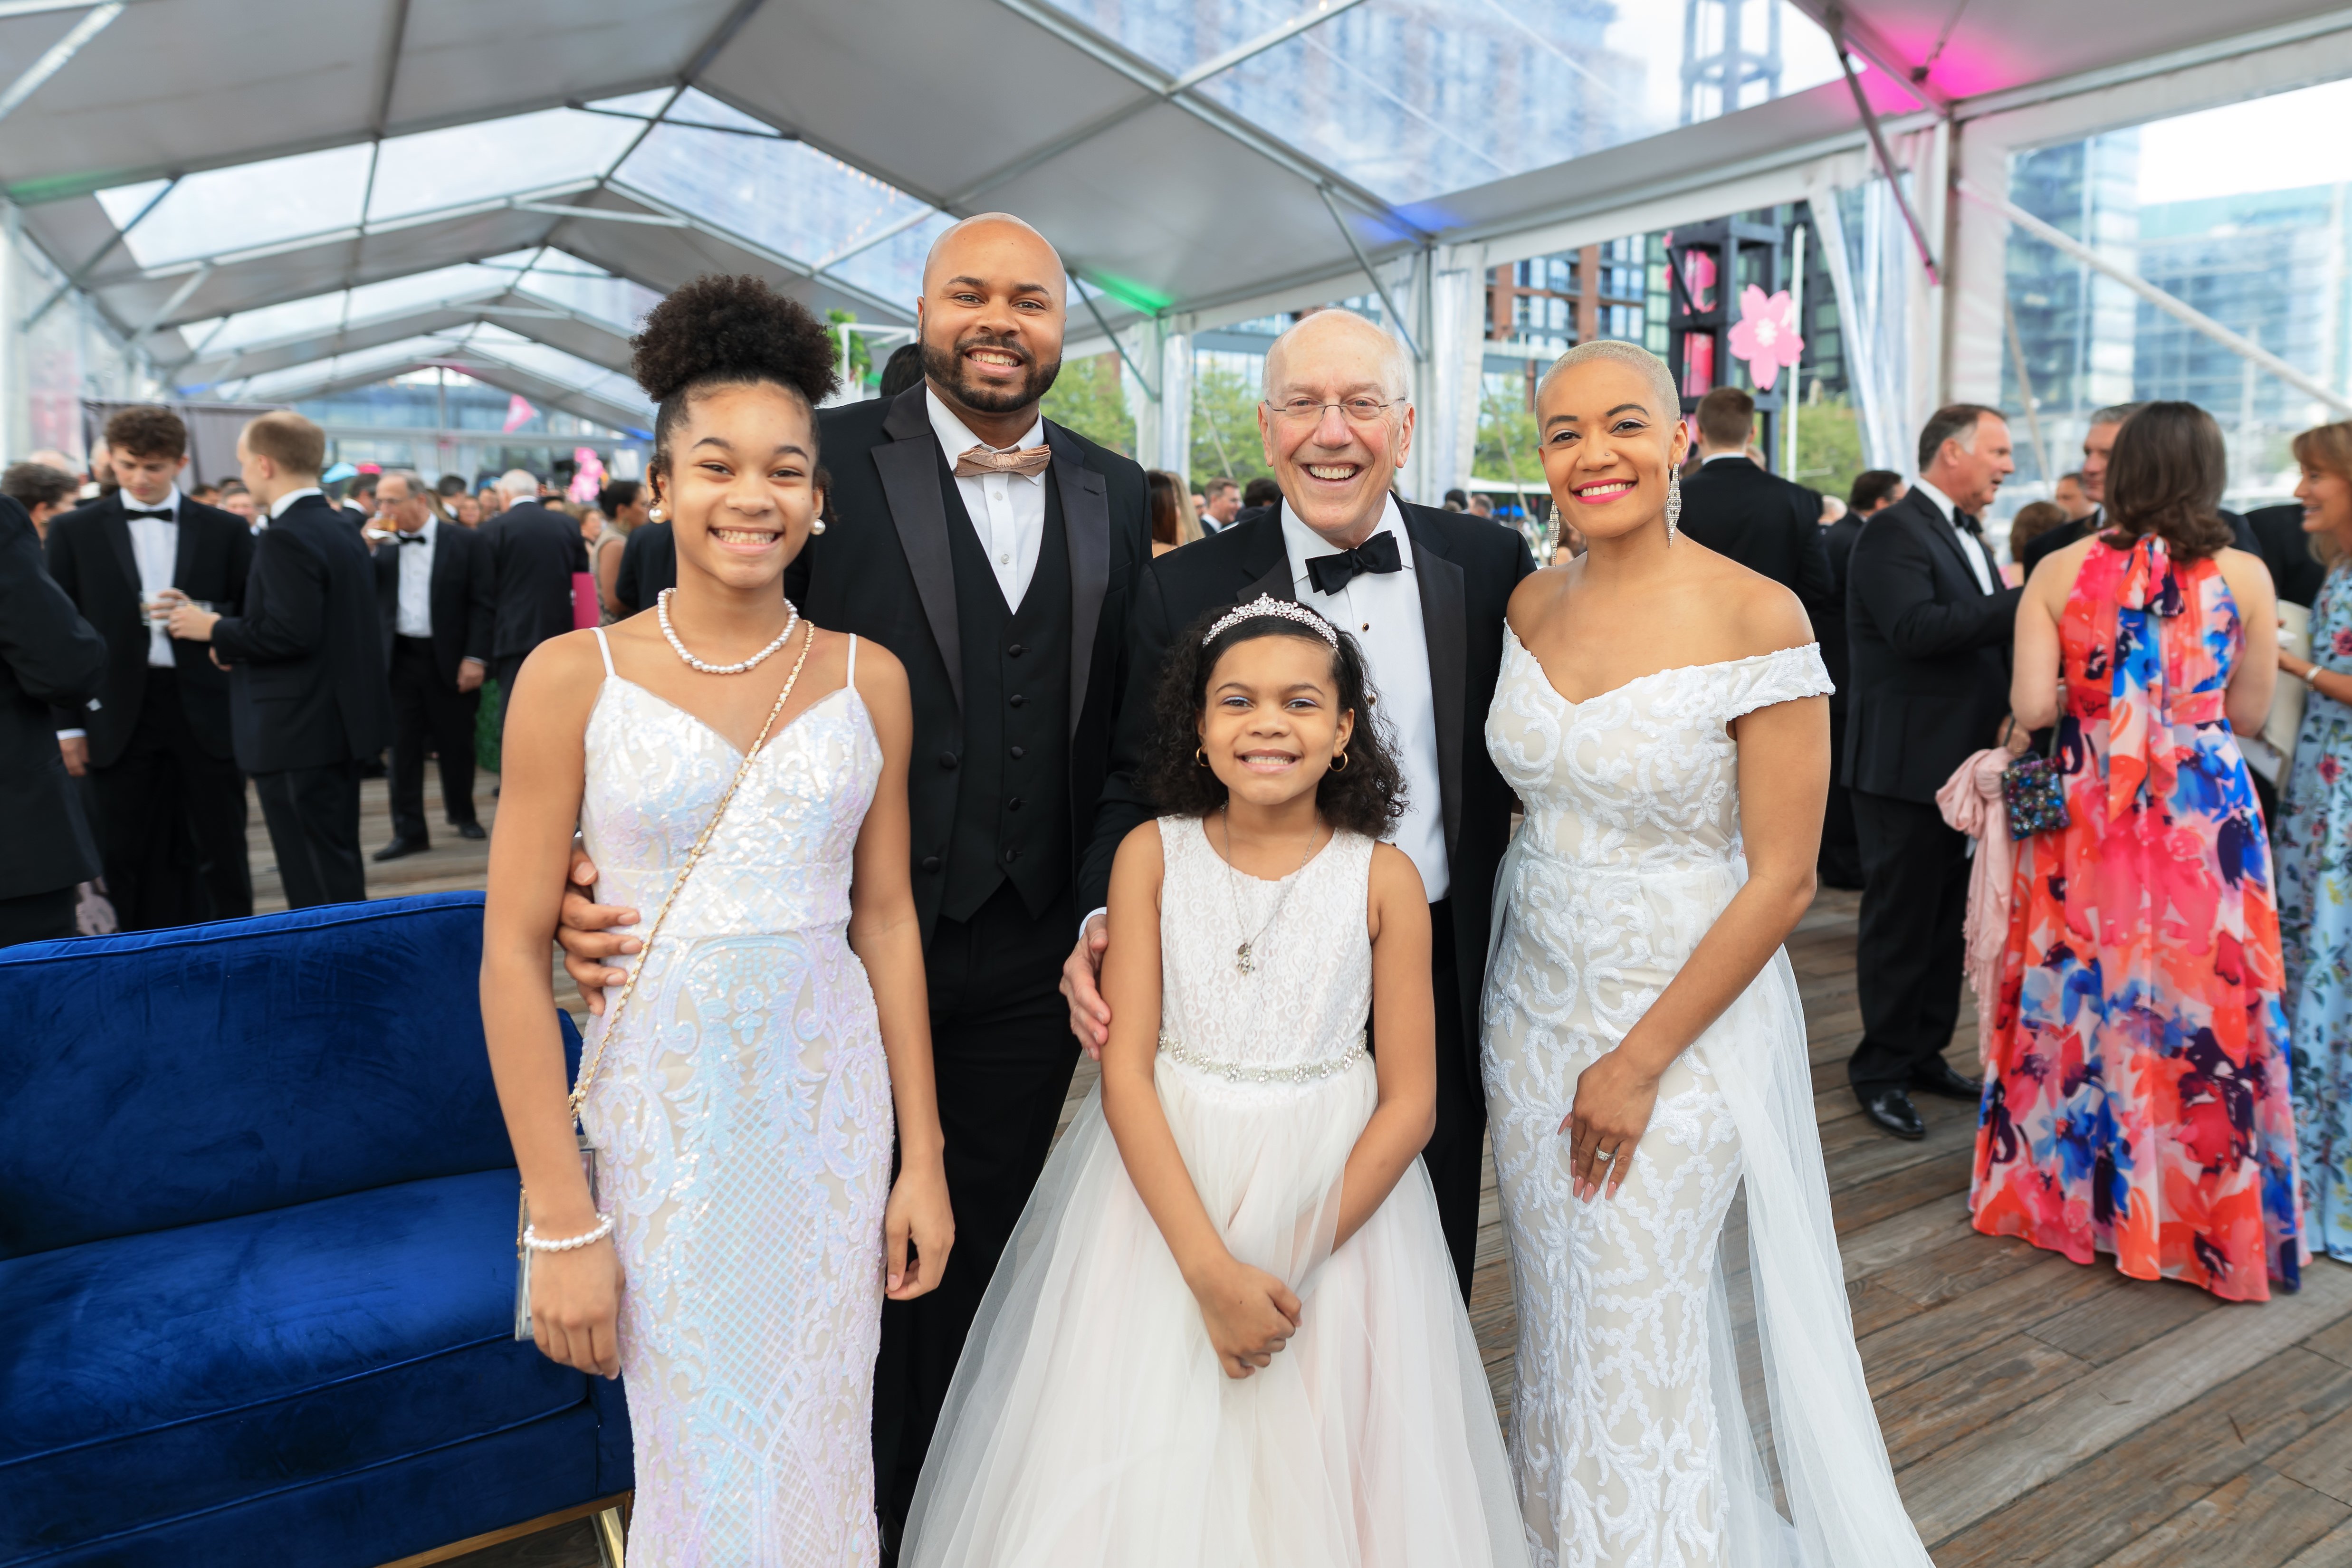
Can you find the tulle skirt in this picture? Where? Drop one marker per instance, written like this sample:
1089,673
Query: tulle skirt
1090,1425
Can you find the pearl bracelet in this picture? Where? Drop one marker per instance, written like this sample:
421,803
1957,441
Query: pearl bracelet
604,1228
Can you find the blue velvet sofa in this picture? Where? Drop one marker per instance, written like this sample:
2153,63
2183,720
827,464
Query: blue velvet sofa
257,1253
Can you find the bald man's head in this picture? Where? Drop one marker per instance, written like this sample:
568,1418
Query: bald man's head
1314,337
991,319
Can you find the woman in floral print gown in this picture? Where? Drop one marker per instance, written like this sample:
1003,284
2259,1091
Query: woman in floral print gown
2314,854
2135,1077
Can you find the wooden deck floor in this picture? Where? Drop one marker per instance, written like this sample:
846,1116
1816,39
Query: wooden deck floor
2037,1411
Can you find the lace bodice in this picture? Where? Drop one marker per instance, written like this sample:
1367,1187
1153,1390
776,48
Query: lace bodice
658,772
1642,778
1305,1001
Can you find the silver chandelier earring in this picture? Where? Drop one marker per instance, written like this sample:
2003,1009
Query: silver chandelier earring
1674,505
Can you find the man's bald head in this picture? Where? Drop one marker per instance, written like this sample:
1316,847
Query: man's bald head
991,319
1346,332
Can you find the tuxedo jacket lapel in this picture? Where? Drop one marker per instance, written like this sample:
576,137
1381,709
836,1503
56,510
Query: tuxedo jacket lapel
1932,519
909,467
1446,628
1086,529
1266,563
183,550
117,529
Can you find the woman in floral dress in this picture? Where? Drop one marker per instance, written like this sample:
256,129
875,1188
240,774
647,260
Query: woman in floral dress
2136,1079
2315,855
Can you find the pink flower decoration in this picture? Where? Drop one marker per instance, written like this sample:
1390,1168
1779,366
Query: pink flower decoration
2330,769
1765,336
2341,642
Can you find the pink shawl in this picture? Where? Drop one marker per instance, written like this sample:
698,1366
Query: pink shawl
1971,802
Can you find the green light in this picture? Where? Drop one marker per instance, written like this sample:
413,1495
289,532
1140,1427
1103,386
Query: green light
1131,294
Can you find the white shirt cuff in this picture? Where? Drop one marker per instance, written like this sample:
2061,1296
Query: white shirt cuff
73,734
1104,911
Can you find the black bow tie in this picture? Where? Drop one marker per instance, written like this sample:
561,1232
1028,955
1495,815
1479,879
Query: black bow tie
1968,523
1329,573
164,512
417,538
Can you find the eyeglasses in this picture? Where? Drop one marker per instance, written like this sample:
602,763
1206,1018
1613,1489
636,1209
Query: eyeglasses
1306,410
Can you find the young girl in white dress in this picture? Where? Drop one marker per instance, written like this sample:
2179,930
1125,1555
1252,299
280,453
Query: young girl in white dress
741,1097
1226,1334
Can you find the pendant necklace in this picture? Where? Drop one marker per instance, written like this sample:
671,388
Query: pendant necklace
661,614
1246,955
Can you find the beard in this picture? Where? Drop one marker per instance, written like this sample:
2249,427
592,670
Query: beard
946,366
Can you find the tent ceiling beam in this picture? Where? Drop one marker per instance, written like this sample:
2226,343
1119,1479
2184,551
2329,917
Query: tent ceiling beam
769,134
81,275
1878,145
1151,389
2238,45
1864,38
608,215
54,59
188,286
1388,302
759,252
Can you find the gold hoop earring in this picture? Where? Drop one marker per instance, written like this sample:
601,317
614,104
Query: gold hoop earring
1201,755
1340,764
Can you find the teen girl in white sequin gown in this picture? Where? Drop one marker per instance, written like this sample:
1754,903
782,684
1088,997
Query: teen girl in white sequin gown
744,1121
1628,1431
1090,1425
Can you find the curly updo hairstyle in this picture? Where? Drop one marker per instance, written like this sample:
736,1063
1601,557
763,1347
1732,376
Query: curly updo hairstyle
719,331
1366,796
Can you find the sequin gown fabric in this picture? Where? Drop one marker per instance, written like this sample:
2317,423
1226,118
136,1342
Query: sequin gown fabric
2314,862
1625,1421
744,1121
1089,1422
2136,1088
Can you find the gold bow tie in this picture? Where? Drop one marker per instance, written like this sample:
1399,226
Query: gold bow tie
984,460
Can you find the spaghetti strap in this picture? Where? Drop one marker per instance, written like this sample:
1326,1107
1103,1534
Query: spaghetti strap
852,679
606,649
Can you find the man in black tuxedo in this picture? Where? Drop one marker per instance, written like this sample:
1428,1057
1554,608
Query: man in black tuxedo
432,591
2285,549
2098,441
1423,592
1735,507
996,553
171,801
309,701
50,659
1873,490
535,552
1927,626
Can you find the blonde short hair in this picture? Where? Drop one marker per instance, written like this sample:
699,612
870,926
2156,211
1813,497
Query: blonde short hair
289,440
1632,355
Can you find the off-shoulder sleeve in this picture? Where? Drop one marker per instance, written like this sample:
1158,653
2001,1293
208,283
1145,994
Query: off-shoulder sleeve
1782,676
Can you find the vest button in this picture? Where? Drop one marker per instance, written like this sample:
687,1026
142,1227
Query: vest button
1015,651
931,862
1011,856
1017,700
948,760
1018,753
1013,805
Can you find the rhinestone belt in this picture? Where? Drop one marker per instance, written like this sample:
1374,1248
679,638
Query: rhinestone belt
1245,1072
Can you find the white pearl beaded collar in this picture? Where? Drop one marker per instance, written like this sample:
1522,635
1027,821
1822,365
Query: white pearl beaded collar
661,614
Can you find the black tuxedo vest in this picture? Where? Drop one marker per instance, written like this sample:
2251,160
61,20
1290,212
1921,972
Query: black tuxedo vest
1013,807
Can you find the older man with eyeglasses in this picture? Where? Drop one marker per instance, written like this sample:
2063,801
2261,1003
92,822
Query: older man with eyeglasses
1423,592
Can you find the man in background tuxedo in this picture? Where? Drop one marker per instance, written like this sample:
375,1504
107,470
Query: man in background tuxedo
534,554
1927,626
309,701
171,801
50,659
1735,507
1423,592
1873,490
433,586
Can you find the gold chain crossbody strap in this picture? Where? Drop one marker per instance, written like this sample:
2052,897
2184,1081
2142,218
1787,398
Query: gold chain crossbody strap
702,841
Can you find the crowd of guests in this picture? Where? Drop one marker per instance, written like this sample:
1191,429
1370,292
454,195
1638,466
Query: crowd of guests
296,628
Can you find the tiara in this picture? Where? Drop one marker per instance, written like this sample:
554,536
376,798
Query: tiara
1267,604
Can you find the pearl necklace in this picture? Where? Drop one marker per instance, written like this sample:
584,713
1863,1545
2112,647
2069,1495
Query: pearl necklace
661,614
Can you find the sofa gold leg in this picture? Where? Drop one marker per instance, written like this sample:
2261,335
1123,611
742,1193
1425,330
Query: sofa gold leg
609,1538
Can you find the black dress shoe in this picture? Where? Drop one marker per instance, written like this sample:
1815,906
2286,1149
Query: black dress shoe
470,830
400,846
1890,1110
1937,1077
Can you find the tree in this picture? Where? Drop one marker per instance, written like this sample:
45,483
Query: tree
1829,446
1086,397
860,372
1507,441
1224,427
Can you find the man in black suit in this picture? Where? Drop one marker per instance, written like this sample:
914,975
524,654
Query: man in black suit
535,552
1261,498
171,801
1423,592
2286,548
50,659
1872,492
2098,441
1735,507
309,702
433,591
1927,626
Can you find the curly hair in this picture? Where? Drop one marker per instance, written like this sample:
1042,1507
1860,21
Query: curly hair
146,431
720,331
1366,796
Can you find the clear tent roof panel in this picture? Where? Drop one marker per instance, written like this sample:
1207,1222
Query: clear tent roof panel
243,207
366,302
564,280
383,356
893,268
553,364
494,158
1179,35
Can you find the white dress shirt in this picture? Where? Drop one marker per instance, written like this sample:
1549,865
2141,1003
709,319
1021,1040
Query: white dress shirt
1977,562
1382,611
155,546
414,618
1007,510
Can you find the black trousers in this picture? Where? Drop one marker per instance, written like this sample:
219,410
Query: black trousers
1002,1054
36,917
1841,857
1909,960
314,826
428,712
1454,1153
171,821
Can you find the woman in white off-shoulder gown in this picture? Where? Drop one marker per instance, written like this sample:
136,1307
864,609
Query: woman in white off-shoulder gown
1644,1046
